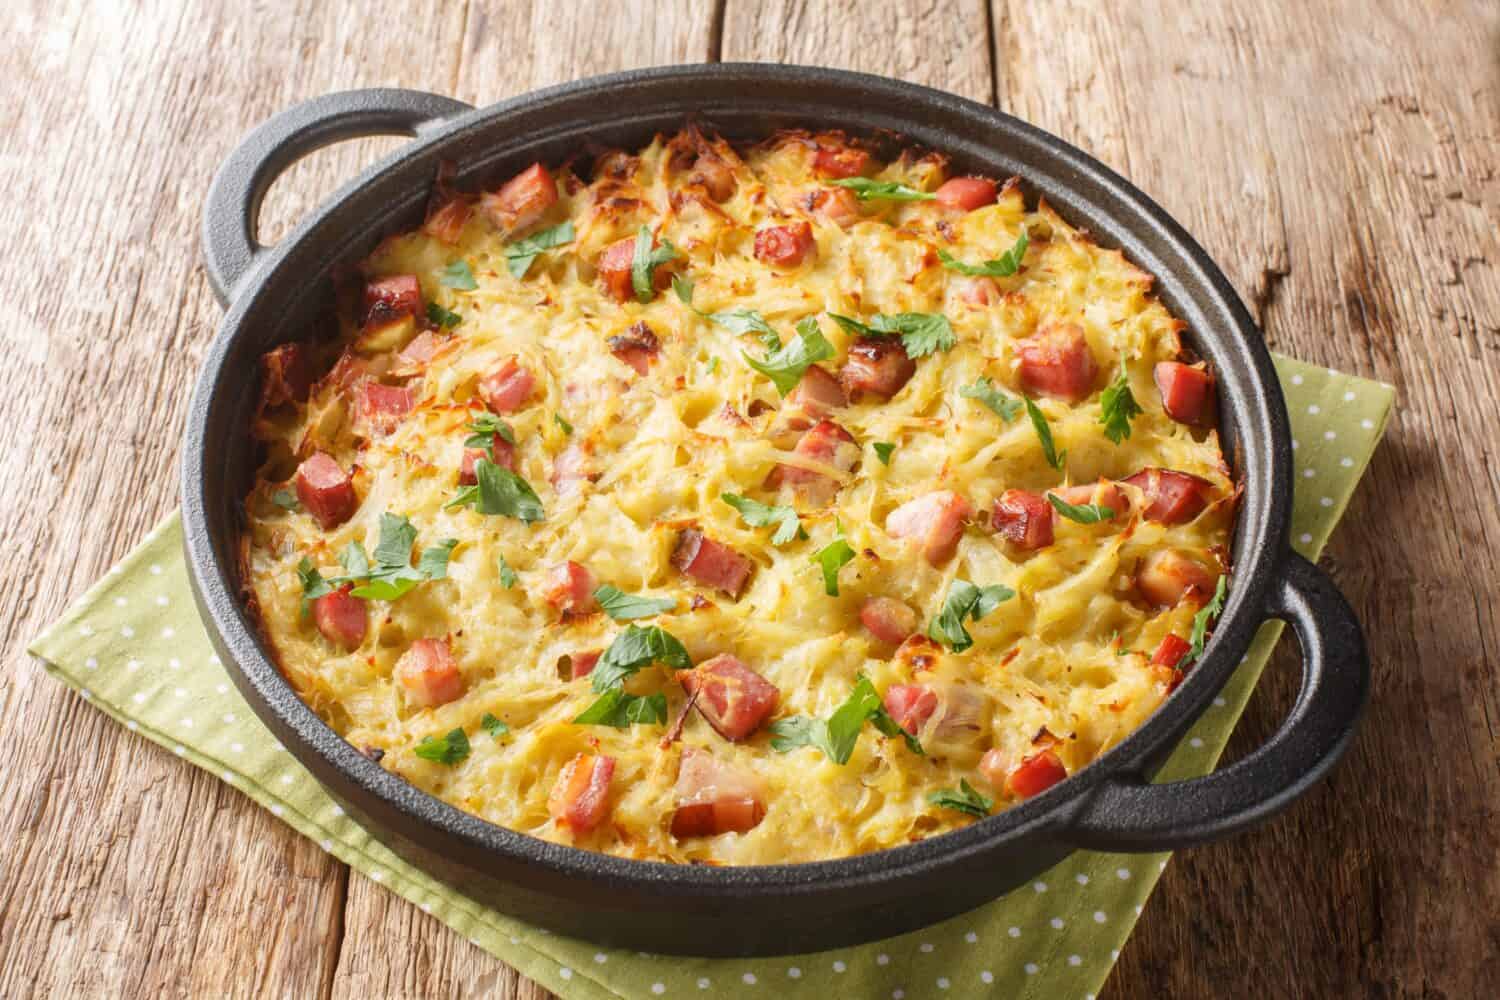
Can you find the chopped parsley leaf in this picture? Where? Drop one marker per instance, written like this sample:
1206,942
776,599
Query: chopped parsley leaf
285,499
1007,408
1198,638
921,333
645,262
867,190
562,422
965,800
520,254
760,515
493,726
883,451
499,491
784,366
1003,266
620,710
634,649
1054,457
832,558
1083,513
439,316
450,749
622,606
1117,408
836,737
965,600
458,275
507,575
482,431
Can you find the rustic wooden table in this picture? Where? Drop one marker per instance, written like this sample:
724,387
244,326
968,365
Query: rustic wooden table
1338,159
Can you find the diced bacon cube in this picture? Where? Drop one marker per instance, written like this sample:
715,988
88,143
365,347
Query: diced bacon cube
1034,775
715,176
980,291
341,617
1104,493
1171,497
285,375
966,193
637,347
784,246
502,453
711,563
447,222
877,365
1058,362
326,490
581,664
507,388
397,295
522,200
1186,391
888,619
910,705
837,205
813,398
569,587
1024,519
570,470
385,406
1166,576
839,162
580,799
732,698
935,520
615,270
715,798
827,444
422,348
429,674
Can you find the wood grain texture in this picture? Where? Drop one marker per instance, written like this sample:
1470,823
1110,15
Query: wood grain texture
1338,159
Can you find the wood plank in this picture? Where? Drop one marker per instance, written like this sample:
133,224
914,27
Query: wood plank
126,873
1340,163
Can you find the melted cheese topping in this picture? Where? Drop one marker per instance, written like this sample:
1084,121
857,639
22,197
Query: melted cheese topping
1065,659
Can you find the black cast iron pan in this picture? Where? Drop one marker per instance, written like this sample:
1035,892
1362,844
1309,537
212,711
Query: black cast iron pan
276,294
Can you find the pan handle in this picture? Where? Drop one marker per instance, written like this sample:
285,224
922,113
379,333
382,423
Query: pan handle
1130,814
232,209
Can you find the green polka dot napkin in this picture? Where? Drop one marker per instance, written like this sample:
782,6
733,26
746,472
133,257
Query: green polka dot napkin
133,646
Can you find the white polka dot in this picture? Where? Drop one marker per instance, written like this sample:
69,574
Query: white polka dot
132,664
704,984
174,663
1122,873
794,973
1326,502
1137,911
1057,923
237,747
85,694
127,631
986,976
565,972
1367,424
91,663
1081,879
925,947
1075,960
1348,397
228,776
1330,435
971,937
748,979
514,939
222,688
1039,886
1014,932
1031,968
1309,473
161,600
1114,954
898,994
139,698
658,988
277,810
600,957
1099,917
180,692
119,602
943,983
156,569
1195,742
839,966
1296,444
327,845
882,959
377,876
228,718
1314,409
1346,462
286,779
132,725
1296,380
85,631
187,723
214,659
338,810
1306,538
1219,701
168,632
1163,866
